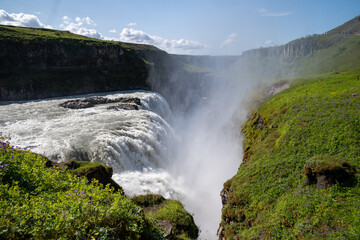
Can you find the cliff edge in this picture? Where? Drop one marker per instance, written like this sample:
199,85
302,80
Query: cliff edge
41,63
299,179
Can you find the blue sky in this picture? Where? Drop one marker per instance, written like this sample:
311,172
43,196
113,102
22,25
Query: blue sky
214,27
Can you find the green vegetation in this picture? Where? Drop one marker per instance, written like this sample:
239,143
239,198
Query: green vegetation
324,163
37,202
342,55
43,35
43,201
316,124
310,55
169,211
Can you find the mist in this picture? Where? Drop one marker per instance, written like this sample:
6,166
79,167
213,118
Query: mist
208,111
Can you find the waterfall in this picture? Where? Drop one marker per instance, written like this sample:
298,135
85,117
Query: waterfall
186,157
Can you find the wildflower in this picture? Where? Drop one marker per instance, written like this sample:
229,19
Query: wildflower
75,190
1,165
96,234
5,165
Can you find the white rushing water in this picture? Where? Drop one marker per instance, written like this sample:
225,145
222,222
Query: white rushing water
186,158
134,142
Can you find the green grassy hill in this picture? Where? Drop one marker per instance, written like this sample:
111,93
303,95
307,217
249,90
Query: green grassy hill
43,35
336,50
300,173
316,122
42,202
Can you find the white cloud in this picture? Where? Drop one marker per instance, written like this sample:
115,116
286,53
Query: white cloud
85,26
267,13
21,20
82,26
229,39
132,24
270,43
138,36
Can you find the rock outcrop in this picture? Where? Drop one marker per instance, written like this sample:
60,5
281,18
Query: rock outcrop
130,103
49,67
89,170
170,215
324,171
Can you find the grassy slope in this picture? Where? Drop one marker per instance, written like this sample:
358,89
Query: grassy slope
342,56
42,35
37,202
335,53
317,115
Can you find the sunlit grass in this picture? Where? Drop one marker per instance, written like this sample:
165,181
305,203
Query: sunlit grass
37,202
316,116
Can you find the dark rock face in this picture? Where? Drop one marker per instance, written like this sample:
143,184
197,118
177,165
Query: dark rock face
224,194
324,174
58,68
258,122
124,106
167,226
297,48
125,103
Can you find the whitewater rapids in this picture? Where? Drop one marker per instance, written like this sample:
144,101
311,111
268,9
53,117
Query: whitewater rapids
187,158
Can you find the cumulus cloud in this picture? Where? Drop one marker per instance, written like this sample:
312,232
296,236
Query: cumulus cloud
229,39
86,26
138,36
270,43
267,13
82,26
21,20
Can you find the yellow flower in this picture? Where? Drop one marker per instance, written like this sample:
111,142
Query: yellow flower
96,234
93,239
332,92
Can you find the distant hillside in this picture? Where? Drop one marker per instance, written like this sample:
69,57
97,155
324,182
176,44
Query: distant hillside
350,27
336,50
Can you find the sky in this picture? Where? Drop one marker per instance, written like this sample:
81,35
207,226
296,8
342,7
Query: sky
196,27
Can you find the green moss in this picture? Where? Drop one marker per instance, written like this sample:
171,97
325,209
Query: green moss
315,122
173,211
148,200
83,167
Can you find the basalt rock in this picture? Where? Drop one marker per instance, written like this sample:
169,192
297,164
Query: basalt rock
258,122
124,106
51,67
126,103
324,171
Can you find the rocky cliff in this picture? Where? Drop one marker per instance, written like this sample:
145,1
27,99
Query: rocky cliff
306,45
39,63
42,63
